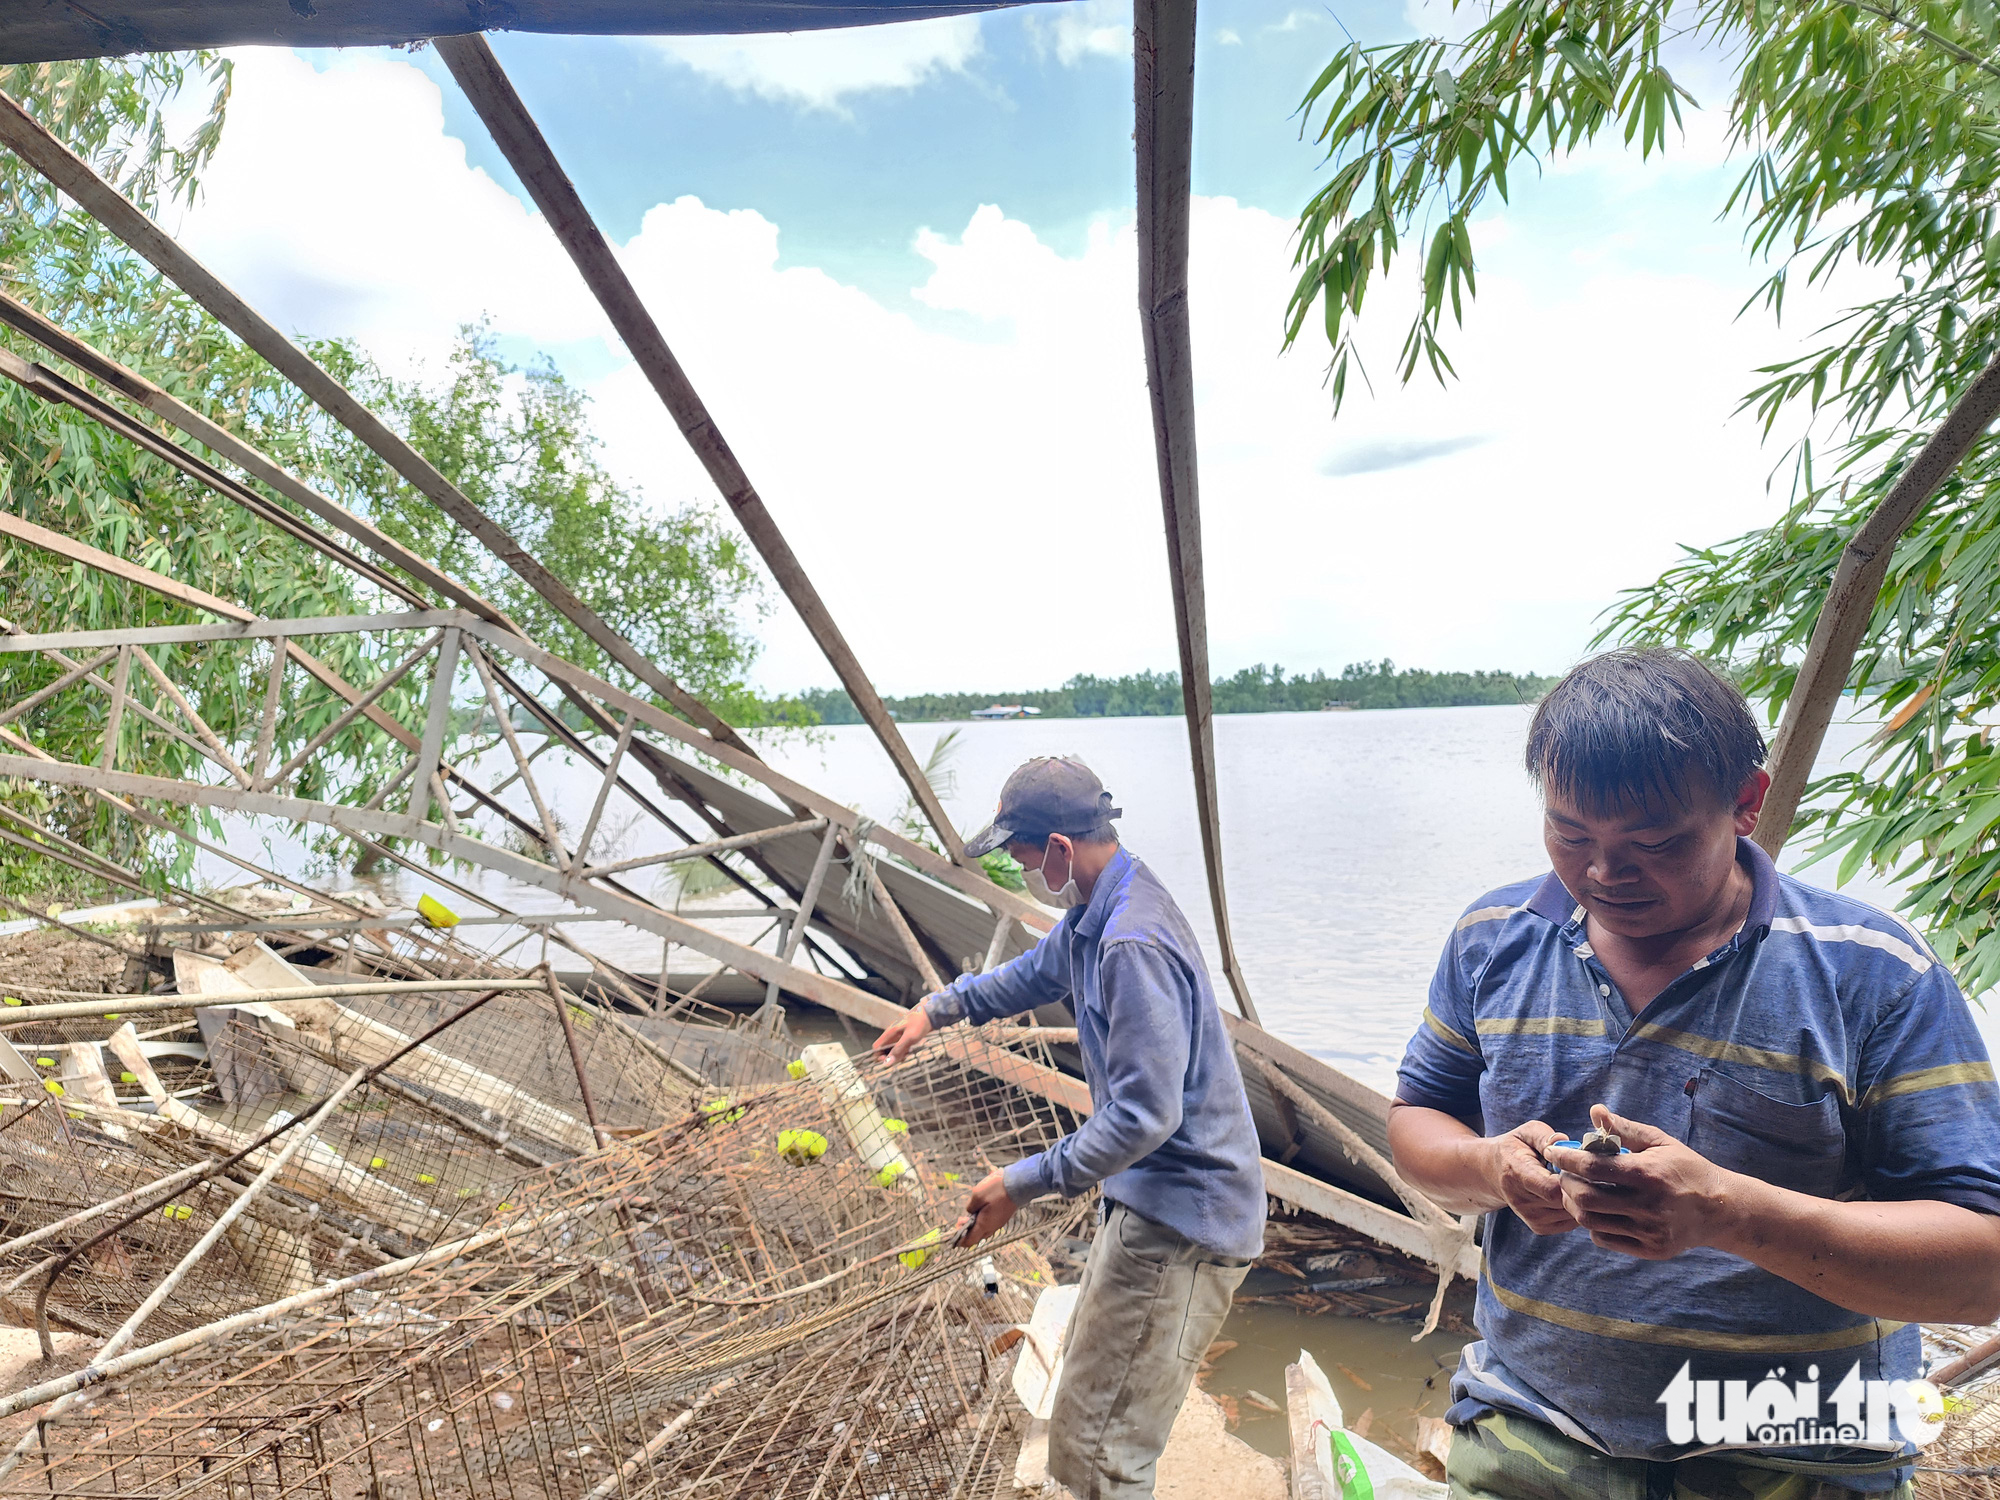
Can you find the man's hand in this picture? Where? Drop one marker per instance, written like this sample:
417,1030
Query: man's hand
1518,1175
896,1042
987,1210
1661,1200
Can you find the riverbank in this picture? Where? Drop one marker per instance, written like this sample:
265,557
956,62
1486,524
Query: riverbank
1254,690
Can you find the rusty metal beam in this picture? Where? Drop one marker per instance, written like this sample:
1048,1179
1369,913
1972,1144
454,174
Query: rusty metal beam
53,388
1163,128
25,321
520,140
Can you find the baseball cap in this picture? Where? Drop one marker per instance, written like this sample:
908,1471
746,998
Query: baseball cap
1050,794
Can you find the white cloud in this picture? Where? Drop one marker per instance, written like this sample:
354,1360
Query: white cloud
1227,37
819,69
1081,29
339,205
969,476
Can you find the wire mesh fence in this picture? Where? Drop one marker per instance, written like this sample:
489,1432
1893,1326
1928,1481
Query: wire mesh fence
761,1298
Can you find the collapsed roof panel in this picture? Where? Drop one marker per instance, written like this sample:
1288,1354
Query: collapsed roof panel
46,30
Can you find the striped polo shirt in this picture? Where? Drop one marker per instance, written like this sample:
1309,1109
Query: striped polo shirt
1823,1049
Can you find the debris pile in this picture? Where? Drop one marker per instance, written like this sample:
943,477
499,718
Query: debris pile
432,1239
1320,1267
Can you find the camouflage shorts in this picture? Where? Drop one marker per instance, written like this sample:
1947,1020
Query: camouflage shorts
1502,1457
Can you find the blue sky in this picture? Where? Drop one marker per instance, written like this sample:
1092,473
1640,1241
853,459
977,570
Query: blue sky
897,262
1016,126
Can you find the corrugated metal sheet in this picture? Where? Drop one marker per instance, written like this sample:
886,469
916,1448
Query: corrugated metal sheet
42,30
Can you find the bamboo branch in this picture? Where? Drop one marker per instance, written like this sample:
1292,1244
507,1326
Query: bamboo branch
1850,604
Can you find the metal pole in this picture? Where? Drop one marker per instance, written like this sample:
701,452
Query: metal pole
1163,33
576,1057
520,140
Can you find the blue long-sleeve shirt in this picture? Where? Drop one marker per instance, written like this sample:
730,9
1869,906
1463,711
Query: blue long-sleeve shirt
1170,1135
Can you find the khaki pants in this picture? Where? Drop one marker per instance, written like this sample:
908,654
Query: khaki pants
1151,1303
1507,1457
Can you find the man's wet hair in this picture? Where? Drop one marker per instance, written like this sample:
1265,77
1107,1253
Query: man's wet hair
1645,727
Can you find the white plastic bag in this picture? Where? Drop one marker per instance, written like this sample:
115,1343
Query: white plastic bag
1038,1371
1353,1467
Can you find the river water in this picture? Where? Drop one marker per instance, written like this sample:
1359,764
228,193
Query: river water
1352,841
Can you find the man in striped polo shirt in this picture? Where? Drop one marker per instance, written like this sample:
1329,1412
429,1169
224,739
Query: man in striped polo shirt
1810,1124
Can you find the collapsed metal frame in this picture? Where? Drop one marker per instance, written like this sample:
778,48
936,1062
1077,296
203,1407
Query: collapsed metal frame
1164,46
450,636
1164,52
597,894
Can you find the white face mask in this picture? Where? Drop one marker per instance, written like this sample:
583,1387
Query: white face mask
1038,885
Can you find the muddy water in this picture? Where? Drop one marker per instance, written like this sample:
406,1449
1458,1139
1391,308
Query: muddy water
1373,1367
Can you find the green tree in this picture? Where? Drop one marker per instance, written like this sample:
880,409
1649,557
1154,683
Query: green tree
518,442
675,582
1868,138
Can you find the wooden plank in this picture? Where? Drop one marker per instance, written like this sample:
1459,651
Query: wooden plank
1163,130
1383,1225
437,715
520,140
146,1005
69,172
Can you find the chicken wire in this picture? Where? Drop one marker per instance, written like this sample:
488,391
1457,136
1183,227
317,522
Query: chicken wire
400,1163
1964,1462
759,1299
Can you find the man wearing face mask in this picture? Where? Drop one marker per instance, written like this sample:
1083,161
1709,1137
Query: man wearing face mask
1170,1137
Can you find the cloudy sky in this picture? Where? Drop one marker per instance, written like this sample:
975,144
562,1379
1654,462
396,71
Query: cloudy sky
898,263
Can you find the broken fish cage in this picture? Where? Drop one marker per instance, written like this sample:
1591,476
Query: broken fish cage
762,1298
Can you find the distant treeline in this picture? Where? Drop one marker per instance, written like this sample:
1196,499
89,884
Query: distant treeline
1254,690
